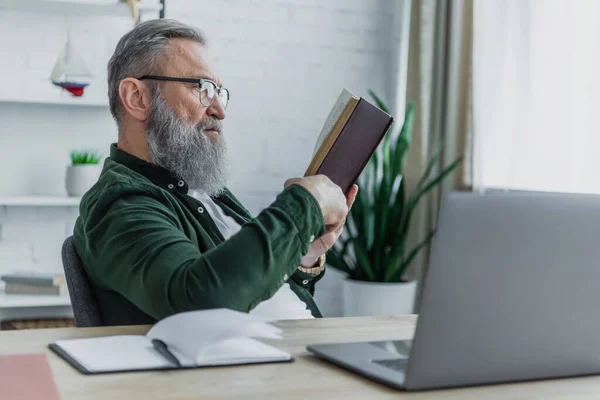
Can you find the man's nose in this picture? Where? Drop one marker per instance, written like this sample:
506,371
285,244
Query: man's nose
216,110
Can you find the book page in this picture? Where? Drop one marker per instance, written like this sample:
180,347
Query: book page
331,137
333,116
194,332
241,351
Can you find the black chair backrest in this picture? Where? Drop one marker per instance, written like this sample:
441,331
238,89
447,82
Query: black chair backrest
85,307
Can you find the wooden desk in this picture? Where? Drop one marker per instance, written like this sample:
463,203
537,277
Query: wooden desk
307,378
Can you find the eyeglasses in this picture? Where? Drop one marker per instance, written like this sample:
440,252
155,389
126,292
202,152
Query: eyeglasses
208,89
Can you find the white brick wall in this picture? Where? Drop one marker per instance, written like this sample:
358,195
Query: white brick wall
285,62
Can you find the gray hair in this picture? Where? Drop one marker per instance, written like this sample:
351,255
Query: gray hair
140,52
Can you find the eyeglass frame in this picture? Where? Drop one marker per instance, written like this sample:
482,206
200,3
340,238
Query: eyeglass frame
199,81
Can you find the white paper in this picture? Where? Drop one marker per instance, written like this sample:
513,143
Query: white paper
118,353
334,115
240,351
194,332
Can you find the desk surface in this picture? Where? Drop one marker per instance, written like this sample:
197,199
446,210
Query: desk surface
308,377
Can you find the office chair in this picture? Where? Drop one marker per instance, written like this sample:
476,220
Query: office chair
85,307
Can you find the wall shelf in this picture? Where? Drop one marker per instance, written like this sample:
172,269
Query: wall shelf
80,7
24,300
40,201
59,99
40,90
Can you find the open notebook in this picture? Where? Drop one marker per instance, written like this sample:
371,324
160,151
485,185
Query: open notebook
195,339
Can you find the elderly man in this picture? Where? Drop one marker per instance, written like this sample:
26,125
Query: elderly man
160,233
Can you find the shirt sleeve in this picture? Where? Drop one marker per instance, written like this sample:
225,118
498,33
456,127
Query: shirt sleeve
140,248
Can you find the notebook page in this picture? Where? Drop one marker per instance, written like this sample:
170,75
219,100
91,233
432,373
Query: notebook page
194,331
118,353
241,351
333,116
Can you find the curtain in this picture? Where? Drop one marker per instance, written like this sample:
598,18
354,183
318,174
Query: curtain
439,72
535,89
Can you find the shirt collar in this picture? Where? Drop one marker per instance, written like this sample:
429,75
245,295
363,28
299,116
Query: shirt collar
157,175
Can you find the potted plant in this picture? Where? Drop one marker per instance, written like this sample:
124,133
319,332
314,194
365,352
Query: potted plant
373,252
83,172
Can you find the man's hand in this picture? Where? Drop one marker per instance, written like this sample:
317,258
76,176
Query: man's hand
325,242
329,196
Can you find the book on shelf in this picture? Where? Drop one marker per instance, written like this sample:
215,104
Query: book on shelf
34,283
193,339
350,135
21,288
35,278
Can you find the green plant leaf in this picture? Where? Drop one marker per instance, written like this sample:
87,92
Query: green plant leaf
396,212
388,135
363,268
403,140
374,192
362,260
84,157
381,208
407,126
435,181
356,213
398,252
418,192
430,165
400,155
396,273
445,172
366,202
413,202
335,259
379,102
414,252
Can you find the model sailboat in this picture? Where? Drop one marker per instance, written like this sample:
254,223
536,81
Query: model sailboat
70,71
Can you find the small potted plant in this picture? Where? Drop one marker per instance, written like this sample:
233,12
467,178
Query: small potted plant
372,251
83,172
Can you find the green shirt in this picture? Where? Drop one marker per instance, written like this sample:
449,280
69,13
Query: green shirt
151,250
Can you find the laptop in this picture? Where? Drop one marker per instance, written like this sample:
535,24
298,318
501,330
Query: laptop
512,294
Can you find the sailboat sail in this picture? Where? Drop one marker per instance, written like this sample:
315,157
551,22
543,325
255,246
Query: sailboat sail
70,71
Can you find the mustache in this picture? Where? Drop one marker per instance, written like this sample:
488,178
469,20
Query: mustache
210,124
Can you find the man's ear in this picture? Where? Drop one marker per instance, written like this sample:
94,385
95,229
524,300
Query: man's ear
135,98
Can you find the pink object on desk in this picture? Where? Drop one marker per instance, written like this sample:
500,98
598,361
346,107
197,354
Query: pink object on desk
26,377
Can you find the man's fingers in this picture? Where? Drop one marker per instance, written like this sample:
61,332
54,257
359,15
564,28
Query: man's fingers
331,228
351,196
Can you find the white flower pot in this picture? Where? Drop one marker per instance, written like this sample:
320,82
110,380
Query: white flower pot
375,298
80,178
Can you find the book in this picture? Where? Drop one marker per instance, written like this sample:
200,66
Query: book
21,288
350,135
35,278
193,339
27,377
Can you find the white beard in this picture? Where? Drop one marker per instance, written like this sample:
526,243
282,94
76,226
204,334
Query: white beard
186,151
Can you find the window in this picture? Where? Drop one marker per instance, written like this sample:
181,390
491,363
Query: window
536,95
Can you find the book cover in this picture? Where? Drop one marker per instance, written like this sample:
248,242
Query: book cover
35,278
350,135
21,288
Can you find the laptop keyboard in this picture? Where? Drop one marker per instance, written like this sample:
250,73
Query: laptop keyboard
397,364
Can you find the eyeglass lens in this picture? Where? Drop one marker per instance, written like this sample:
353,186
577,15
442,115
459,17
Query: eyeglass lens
207,94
